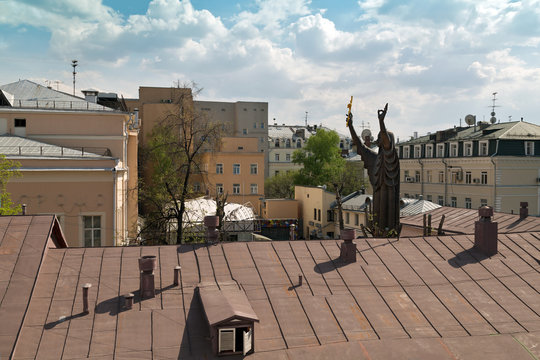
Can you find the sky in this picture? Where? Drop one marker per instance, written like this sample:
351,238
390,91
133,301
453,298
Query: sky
433,61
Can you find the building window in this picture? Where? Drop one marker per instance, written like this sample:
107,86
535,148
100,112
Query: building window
236,188
453,201
356,219
254,125
262,125
406,176
288,143
468,177
406,150
429,198
440,200
483,148
20,122
276,172
276,157
314,214
467,148
299,143
417,151
197,187
254,169
429,150
483,202
441,176
483,178
92,230
219,168
453,149
287,157
440,150
329,215
236,169
417,176
468,203
244,131
254,188
319,213
429,177
529,148
276,143
219,188
347,219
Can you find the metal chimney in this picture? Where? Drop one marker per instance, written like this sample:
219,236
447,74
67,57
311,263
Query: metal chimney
485,232
147,265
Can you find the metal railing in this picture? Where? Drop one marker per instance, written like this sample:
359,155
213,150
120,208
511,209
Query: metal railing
47,150
61,105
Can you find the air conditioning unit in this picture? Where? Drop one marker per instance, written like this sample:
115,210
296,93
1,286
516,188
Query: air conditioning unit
409,179
476,180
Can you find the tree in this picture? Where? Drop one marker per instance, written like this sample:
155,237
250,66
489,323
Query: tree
321,159
173,158
8,168
280,186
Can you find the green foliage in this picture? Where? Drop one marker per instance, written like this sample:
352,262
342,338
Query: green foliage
351,179
321,159
8,168
280,186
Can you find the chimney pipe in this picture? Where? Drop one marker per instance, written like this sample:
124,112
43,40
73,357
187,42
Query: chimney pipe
524,210
147,264
128,301
299,280
485,232
24,209
348,248
85,288
177,275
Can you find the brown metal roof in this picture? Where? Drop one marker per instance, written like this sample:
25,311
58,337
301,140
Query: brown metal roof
225,303
419,297
461,221
23,244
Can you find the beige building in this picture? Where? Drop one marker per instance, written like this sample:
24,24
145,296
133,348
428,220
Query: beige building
237,169
487,164
314,205
280,209
79,161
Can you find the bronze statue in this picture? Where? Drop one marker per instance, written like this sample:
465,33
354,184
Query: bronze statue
383,171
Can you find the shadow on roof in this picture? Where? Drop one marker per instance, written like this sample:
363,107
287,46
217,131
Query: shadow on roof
466,257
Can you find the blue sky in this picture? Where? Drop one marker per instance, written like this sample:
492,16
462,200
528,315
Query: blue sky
434,61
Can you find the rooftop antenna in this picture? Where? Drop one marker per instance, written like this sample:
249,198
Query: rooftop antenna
306,118
74,63
56,82
509,118
493,119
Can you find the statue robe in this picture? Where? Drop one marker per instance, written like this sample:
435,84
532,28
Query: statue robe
383,171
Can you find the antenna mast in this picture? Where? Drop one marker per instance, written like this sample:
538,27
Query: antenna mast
74,63
493,119
306,118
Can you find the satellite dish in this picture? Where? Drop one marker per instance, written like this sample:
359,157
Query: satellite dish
470,119
493,119
365,133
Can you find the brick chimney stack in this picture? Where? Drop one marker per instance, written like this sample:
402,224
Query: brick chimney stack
524,210
348,248
485,232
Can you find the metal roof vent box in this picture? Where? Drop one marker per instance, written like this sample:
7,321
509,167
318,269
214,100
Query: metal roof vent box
230,317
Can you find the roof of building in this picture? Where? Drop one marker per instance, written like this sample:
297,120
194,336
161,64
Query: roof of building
515,130
28,94
417,206
225,302
16,146
353,201
461,221
24,242
432,297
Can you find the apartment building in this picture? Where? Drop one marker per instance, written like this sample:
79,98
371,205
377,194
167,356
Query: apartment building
78,160
283,140
468,167
236,169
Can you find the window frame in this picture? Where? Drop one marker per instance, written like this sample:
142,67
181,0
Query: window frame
454,149
254,188
236,189
102,227
417,151
481,146
429,150
254,169
219,168
406,151
468,147
531,143
236,169
440,154
484,178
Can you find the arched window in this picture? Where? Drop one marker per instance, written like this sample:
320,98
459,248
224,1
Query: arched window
277,143
288,143
299,143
